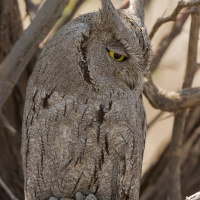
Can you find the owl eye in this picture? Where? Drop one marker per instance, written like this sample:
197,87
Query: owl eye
116,56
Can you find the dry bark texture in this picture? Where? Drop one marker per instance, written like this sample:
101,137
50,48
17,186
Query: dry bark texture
10,26
159,174
84,122
10,158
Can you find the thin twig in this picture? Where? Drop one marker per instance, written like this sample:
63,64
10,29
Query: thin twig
124,5
66,18
7,190
16,61
194,197
5,122
167,40
31,8
154,120
172,17
175,152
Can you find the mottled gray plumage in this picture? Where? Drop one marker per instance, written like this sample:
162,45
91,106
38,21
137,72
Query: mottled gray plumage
84,122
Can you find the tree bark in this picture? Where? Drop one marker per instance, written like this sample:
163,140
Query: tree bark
155,181
10,157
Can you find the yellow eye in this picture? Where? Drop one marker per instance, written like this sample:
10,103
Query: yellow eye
116,56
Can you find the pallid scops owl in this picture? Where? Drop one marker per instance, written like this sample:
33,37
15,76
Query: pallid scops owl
84,122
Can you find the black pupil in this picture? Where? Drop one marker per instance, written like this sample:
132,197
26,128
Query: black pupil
117,56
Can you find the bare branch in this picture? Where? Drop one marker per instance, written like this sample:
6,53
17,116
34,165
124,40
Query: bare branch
194,197
22,52
172,17
154,120
192,48
171,101
31,8
66,18
7,124
174,165
167,40
7,190
124,5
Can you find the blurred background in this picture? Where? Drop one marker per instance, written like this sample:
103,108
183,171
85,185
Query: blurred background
168,73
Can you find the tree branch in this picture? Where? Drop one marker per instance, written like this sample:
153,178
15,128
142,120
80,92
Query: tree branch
171,101
7,124
172,17
154,120
31,8
7,190
174,165
167,40
16,61
124,5
66,17
194,197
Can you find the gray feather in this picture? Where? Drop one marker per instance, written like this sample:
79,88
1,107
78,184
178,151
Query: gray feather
84,123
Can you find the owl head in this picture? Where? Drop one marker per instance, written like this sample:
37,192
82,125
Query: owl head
118,47
103,49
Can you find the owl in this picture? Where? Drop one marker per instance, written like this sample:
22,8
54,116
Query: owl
84,122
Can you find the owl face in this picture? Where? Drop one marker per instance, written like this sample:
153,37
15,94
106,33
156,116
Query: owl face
116,49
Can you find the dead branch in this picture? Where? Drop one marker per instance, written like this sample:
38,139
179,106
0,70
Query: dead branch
194,197
70,14
192,48
174,164
66,18
16,61
154,120
31,7
7,190
124,5
180,118
172,17
7,124
163,46
167,40
171,101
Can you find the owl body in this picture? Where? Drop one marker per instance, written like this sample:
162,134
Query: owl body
84,121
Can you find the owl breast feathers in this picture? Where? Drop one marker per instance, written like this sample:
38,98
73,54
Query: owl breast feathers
84,123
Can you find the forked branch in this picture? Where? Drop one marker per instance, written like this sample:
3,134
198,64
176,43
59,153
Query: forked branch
175,152
172,17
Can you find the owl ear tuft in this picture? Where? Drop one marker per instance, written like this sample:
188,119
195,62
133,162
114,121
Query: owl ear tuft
137,6
107,5
108,14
